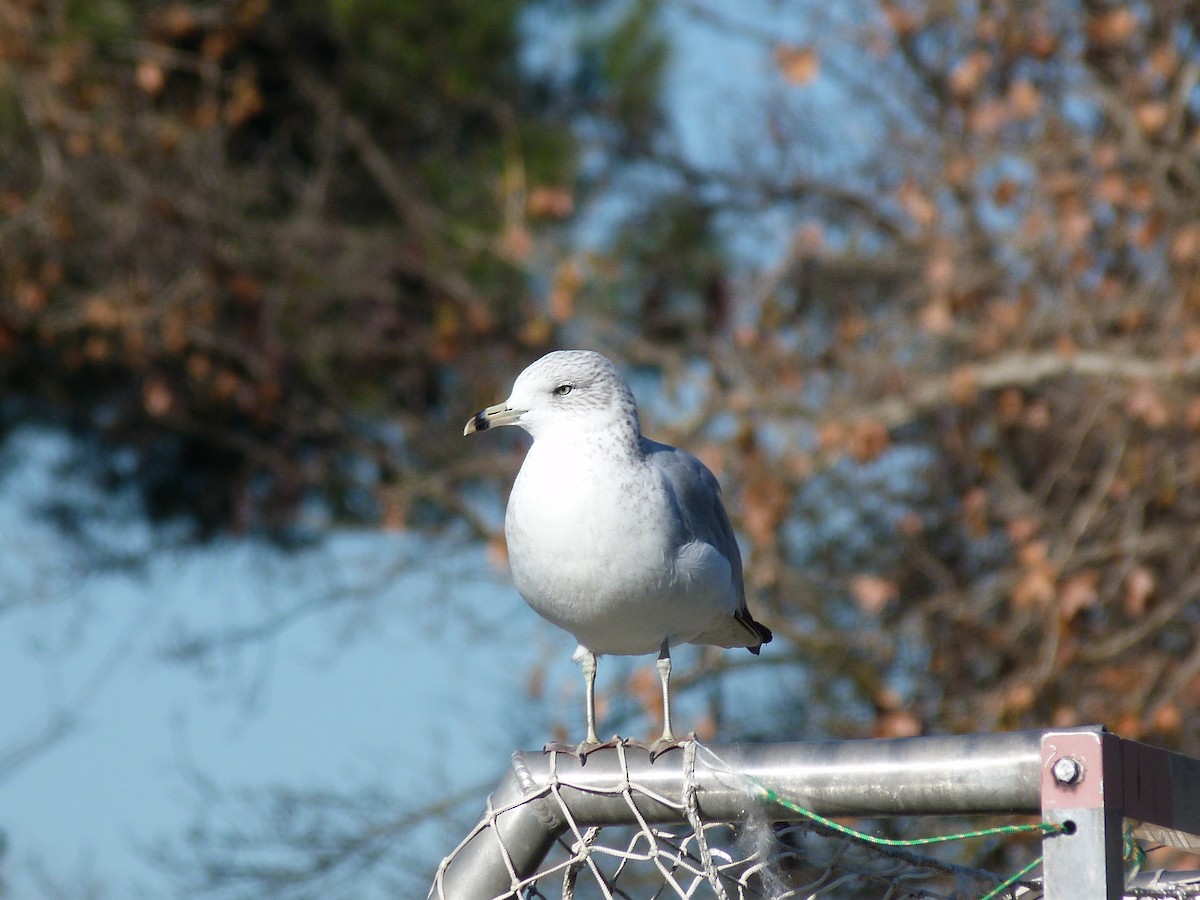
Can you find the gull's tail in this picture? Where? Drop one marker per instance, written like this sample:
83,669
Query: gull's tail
738,630
762,634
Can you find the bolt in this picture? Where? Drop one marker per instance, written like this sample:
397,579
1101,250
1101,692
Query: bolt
1067,770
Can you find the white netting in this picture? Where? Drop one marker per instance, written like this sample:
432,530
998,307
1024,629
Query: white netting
754,858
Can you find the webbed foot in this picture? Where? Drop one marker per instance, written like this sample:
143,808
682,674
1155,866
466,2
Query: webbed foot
583,749
669,742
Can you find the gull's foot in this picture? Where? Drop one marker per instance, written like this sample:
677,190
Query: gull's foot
669,742
582,750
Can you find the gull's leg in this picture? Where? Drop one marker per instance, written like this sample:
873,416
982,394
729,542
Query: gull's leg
587,663
668,739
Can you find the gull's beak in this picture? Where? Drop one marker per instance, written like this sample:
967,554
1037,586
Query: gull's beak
493,417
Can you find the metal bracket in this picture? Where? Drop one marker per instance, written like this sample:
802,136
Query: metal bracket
1081,792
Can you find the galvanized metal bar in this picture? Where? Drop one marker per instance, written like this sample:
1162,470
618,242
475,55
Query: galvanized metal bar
997,773
521,825
1085,779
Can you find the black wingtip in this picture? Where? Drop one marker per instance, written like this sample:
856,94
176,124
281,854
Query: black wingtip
760,630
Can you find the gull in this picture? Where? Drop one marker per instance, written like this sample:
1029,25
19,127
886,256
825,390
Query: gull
617,539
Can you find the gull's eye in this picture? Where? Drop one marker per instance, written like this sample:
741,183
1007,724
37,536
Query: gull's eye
563,389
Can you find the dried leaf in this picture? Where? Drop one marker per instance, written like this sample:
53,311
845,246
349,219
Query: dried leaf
79,144
988,118
1167,718
1185,246
1146,404
536,331
176,21
1042,44
974,511
872,593
964,385
150,77
1037,415
1164,60
516,243
852,328
497,551
1005,192
1139,588
1112,188
1019,698
1112,28
917,204
763,507
644,687
936,318
395,511
31,297
1034,554
868,440
1152,117
550,202
966,77
1034,588
704,727
798,65
1023,529
226,384
1077,593
1009,404
535,681
96,348
156,397
565,287
939,272
1064,717
897,725
903,21
1129,725
1191,414
831,437
1024,99
245,99
100,313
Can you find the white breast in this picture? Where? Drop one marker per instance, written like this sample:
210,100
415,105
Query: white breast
589,552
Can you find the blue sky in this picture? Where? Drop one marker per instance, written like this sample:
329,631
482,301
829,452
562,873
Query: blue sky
390,683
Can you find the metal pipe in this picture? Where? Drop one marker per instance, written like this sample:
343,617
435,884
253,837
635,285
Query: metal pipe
997,773
519,828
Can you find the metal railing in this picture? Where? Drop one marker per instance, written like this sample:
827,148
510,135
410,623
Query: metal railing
1083,783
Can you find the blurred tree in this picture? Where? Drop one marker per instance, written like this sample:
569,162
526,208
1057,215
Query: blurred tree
246,243
965,392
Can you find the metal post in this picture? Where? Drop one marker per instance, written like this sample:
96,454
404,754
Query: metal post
1081,791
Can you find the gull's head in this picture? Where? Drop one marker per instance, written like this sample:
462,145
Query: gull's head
579,390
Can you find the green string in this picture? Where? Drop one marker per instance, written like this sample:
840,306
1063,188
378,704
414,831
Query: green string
1040,827
1011,880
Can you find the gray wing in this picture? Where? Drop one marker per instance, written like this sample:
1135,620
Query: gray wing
697,496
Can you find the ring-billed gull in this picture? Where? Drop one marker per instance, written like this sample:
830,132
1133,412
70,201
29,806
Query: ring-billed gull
618,539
